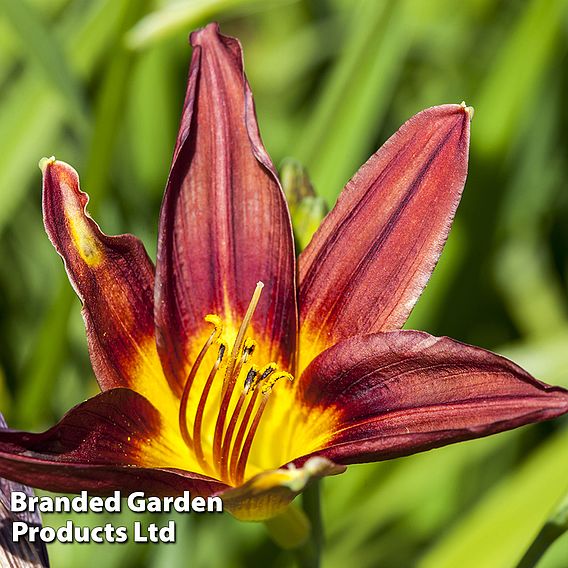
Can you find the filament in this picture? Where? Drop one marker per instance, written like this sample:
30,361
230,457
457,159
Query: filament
182,414
230,376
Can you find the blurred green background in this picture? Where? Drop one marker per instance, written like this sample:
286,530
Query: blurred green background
100,83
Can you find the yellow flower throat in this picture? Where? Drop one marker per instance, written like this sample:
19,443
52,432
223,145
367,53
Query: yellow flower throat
233,435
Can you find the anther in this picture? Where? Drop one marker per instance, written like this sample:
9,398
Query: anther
269,384
251,375
248,348
268,376
217,323
262,375
222,349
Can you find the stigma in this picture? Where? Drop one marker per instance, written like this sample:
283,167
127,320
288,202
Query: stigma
222,448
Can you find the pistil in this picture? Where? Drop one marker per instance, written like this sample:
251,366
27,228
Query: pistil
230,378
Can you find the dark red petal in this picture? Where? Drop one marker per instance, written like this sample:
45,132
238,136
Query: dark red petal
113,277
114,441
392,394
373,254
24,553
224,224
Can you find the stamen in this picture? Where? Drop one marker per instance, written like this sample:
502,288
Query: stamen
230,375
261,375
201,409
229,459
266,371
242,463
182,418
228,437
248,350
241,433
270,377
217,323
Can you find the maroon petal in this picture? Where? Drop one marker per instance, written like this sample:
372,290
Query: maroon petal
113,277
24,553
373,254
224,224
114,441
392,394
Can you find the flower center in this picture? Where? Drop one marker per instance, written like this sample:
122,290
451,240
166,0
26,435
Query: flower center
240,408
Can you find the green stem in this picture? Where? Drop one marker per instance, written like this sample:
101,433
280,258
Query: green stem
308,555
548,534
555,527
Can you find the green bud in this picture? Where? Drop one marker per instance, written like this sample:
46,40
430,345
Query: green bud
307,210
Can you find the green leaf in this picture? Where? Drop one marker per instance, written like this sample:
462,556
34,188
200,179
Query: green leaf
44,49
185,15
355,95
496,532
31,115
553,529
517,71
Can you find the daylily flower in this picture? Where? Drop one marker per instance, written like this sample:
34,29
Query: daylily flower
228,372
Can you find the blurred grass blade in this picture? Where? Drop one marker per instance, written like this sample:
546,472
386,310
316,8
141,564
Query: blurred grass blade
355,95
44,364
276,72
152,116
537,300
517,72
43,48
496,532
554,528
413,488
545,356
432,301
31,115
185,15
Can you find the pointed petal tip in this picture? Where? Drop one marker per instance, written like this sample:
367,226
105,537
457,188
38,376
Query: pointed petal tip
469,110
204,34
65,176
407,192
63,181
218,119
44,162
